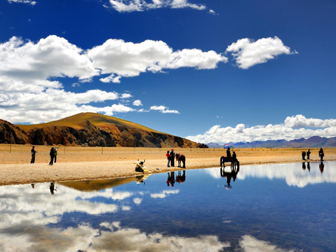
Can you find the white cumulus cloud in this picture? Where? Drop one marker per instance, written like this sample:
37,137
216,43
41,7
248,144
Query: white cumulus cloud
164,109
23,1
142,5
50,57
126,59
31,73
31,93
137,103
294,127
300,121
248,53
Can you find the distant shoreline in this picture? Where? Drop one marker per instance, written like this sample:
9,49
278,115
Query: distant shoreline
79,163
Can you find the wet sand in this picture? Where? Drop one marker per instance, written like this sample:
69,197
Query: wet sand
82,163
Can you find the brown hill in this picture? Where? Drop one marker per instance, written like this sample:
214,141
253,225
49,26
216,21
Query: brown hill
90,129
9,133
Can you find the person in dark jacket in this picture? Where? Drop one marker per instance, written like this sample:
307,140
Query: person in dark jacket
52,155
33,153
228,153
321,154
55,155
308,154
303,155
172,158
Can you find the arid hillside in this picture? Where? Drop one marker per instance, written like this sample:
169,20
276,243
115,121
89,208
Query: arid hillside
90,129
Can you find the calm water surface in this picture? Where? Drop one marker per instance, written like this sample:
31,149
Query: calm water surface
282,207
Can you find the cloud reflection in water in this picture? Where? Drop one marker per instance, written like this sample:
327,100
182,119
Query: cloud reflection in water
292,173
31,219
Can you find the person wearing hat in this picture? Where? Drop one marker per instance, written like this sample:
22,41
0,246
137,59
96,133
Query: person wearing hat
172,158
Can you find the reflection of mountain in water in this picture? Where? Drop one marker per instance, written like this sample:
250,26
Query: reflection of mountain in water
99,184
294,174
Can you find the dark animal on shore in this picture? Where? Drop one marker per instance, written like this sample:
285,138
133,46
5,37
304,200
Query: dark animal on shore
234,161
181,158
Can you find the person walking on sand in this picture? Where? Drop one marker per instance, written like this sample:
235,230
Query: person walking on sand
308,154
321,154
168,158
33,152
52,155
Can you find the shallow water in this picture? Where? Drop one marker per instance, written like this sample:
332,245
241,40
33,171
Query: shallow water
280,207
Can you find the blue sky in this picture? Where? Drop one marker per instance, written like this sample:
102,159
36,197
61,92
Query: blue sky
212,71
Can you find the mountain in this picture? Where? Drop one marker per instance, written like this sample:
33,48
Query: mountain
214,145
261,144
312,142
10,133
90,129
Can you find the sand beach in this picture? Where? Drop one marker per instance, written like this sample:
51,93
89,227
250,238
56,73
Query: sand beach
83,163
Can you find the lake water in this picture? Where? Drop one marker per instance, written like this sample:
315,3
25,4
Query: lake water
280,207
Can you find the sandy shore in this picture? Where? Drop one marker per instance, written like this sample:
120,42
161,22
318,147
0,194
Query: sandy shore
81,163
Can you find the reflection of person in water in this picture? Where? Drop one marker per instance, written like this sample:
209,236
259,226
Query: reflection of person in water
321,154
52,187
229,175
181,178
171,179
303,166
308,166
321,167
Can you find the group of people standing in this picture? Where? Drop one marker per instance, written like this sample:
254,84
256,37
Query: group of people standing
52,153
304,153
170,158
